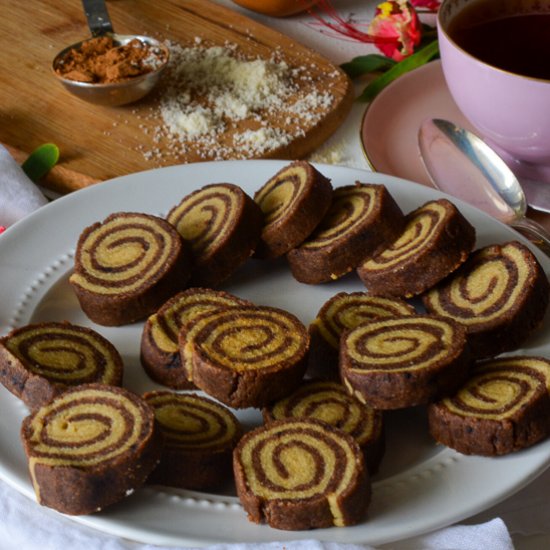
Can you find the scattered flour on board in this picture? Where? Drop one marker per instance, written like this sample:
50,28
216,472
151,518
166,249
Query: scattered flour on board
217,105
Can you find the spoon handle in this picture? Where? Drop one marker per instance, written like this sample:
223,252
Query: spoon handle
536,232
98,17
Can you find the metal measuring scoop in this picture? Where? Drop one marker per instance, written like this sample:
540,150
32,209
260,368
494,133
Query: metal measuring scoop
463,165
115,93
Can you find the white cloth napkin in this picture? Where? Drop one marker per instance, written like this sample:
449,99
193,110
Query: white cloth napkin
19,196
25,525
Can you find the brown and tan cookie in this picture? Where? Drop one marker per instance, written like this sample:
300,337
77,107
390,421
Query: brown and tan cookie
90,447
160,354
293,203
223,226
127,266
436,240
500,294
41,360
301,474
362,219
330,402
245,356
503,407
199,438
344,311
400,362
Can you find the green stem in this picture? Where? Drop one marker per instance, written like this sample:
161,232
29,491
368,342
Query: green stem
415,60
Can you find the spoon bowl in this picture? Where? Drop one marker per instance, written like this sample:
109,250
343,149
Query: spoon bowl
463,165
115,93
112,93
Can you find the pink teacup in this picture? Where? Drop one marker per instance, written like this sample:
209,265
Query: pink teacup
510,111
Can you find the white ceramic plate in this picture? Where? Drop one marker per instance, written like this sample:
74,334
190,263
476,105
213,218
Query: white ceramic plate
421,486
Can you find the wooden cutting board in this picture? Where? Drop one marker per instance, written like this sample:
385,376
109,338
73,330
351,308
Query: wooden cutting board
99,143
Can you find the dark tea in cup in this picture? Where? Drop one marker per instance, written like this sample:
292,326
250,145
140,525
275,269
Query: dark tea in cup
511,35
494,55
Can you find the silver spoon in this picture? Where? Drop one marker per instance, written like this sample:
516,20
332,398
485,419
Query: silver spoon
116,93
463,165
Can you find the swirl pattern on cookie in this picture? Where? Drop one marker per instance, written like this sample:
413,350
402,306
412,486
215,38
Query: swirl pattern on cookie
39,361
160,355
293,203
436,240
245,356
199,438
223,226
127,266
330,402
362,219
503,407
404,361
501,294
344,311
89,447
301,474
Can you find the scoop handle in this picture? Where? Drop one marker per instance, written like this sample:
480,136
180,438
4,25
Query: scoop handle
98,17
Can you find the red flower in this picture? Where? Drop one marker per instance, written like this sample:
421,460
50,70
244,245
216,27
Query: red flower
2,229
398,20
395,29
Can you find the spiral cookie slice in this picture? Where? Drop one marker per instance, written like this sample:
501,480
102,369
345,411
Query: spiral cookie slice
127,266
199,438
503,407
436,240
90,447
160,355
293,203
345,311
362,219
500,294
301,474
245,356
39,361
400,362
330,402
223,225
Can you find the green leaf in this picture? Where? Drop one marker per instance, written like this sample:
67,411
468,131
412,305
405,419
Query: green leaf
365,64
420,57
41,161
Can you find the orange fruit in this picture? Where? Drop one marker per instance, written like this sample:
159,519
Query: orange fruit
276,8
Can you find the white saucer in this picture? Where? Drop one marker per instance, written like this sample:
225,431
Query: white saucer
390,123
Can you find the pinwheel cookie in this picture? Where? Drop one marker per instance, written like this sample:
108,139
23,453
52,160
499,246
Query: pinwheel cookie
344,311
330,402
160,354
500,294
436,240
301,474
362,219
90,447
503,407
199,438
245,356
293,203
223,225
39,361
127,266
404,361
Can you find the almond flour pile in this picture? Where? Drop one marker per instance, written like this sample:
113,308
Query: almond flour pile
217,105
